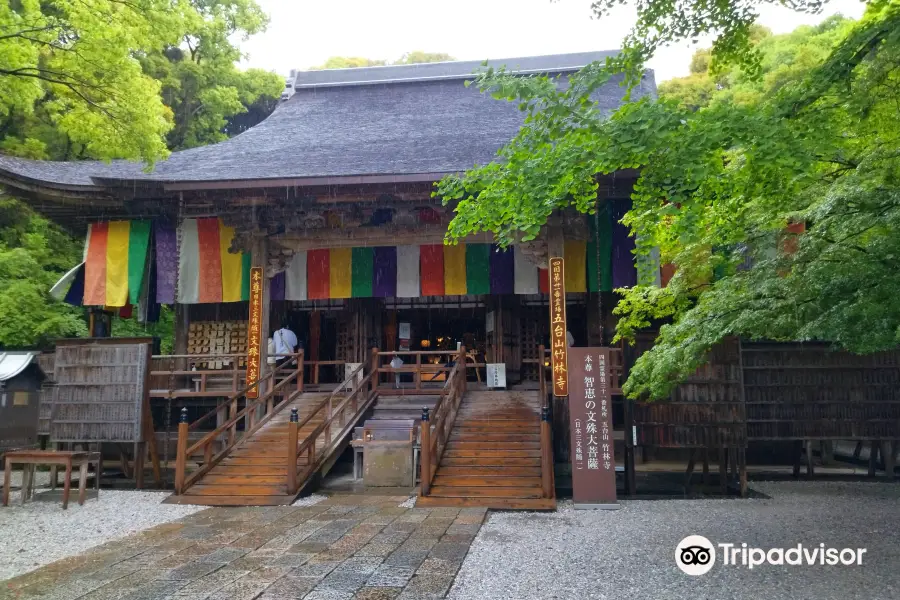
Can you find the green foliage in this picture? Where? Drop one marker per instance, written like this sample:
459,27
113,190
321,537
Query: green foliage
82,78
110,79
200,82
410,58
662,22
77,60
348,62
33,255
163,329
813,137
418,56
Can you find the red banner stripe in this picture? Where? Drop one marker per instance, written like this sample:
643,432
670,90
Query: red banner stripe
318,274
210,260
431,260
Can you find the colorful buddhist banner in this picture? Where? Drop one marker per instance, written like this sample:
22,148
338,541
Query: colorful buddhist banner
116,262
254,330
207,271
558,327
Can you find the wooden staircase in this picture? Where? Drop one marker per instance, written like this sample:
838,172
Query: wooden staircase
494,456
254,473
289,438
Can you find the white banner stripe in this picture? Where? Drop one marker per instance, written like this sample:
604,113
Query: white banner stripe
295,278
408,272
189,263
526,274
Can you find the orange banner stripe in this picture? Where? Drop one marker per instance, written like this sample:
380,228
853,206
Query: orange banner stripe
95,266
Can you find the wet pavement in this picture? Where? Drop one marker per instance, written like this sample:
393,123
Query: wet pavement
346,547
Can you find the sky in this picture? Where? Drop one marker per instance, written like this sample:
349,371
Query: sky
303,33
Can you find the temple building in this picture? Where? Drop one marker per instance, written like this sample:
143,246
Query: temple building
434,359
332,194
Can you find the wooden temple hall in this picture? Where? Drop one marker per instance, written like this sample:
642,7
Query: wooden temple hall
428,364
321,219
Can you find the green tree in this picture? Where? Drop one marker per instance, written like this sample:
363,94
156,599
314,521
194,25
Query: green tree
83,78
33,254
348,62
418,57
410,58
77,59
67,88
809,134
200,82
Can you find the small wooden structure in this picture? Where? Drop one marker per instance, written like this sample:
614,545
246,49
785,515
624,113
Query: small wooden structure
21,379
30,459
102,396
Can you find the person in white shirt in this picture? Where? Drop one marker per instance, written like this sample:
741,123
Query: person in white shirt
285,343
570,339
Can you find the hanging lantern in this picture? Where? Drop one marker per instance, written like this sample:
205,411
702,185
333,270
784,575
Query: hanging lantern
425,343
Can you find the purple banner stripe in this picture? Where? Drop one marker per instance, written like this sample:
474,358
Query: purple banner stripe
385,270
502,271
166,263
277,286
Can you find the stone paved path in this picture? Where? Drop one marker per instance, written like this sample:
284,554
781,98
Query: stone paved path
346,547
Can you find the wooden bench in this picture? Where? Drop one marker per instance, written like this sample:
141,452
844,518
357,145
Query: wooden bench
29,459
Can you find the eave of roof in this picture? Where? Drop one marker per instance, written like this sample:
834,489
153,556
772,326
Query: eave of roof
13,363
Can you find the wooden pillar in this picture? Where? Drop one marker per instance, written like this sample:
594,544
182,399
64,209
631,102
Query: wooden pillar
315,330
182,324
258,258
561,449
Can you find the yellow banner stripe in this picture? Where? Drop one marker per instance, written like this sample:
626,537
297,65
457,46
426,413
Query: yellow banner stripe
232,265
117,263
340,278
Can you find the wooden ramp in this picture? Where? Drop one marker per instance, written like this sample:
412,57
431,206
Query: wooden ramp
254,473
493,455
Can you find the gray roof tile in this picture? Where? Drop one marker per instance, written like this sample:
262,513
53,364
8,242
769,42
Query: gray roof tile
427,125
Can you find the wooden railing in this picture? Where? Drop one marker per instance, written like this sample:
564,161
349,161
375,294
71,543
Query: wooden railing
267,394
437,424
423,370
547,475
176,375
340,416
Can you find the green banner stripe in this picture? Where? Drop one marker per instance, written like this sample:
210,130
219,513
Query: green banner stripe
138,246
604,273
245,277
478,268
361,269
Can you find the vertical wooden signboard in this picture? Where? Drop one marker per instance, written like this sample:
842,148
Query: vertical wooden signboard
254,330
558,328
590,420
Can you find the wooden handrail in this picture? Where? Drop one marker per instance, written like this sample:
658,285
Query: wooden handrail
297,475
182,480
270,376
437,424
331,396
547,475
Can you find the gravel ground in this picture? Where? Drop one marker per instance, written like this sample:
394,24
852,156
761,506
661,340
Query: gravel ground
39,533
310,500
630,553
